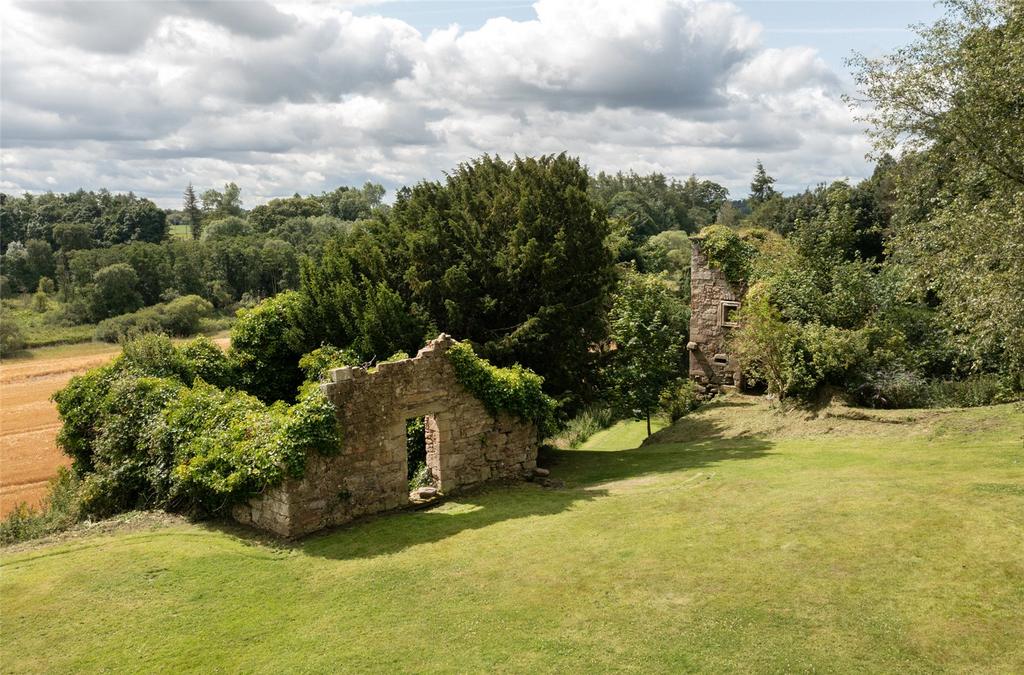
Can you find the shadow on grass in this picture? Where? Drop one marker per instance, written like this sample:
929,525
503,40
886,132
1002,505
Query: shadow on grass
581,470
691,443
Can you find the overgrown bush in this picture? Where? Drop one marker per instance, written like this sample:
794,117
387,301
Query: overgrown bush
59,511
514,390
11,337
589,421
726,250
679,399
904,389
228,446
267,342
316,364
179,317
148,431
208,362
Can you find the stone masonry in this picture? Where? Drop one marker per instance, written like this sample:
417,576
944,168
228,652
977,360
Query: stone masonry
466,445
713,302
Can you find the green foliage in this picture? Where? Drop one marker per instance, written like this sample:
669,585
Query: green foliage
591,419
653,203
229,446
116,291
953,98
25,263
222,204
509,255
420,476
766,346
267,342
679,398
649,325
416,452
60,510
514,390
179,317
761,189
225,228
907,389
278,211
11,337
727,251
148,430
316,364
208,362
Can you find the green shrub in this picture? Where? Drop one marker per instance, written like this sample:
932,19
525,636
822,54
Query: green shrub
59,511
229,446
208,362
316,364
267,342
420,476
589,421
11,337
727,251
515,390
115,291
180,317
904,389
679,399
128,326
148,431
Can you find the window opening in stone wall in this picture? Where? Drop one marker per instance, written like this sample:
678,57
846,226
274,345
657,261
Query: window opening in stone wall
727,311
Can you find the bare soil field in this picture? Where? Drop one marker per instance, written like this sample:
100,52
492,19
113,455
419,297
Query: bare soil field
29,456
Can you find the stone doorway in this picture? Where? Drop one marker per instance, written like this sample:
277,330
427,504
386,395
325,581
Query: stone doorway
424,452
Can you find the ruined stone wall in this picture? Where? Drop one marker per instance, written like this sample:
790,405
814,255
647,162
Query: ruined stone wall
466,445
712,298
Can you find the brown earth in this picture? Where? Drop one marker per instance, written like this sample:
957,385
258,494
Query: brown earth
29,456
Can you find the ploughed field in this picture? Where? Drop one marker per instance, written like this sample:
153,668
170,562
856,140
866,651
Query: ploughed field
737,540
29,456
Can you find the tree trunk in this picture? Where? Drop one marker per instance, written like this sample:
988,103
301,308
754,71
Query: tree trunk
648,424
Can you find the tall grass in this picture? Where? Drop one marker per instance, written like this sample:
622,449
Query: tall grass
59,511
592,418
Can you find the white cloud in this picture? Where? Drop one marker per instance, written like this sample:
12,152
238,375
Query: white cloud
148,96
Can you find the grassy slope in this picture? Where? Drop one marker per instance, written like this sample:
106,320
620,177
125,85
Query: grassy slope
737,540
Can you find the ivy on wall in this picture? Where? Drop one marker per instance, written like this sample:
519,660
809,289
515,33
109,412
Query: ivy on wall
514,390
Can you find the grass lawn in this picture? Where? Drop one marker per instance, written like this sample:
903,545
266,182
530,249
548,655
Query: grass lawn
736,540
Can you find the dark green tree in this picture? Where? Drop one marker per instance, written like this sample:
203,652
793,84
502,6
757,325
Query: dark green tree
115,292
193,214
761,189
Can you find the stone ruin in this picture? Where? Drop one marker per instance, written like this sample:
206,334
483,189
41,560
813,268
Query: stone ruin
466,445
713,305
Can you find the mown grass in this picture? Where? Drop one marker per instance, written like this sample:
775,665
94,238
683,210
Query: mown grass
738,540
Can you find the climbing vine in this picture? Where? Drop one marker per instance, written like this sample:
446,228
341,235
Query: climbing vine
726,250
515,390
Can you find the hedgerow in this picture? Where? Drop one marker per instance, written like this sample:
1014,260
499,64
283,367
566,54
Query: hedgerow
515,390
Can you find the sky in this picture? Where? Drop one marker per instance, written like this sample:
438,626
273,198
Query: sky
303,97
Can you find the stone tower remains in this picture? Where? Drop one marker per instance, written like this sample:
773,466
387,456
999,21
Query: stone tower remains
713,306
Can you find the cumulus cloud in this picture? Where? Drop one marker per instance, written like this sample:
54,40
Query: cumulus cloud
296,97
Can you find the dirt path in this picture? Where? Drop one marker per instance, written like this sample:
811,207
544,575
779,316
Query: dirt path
29,456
